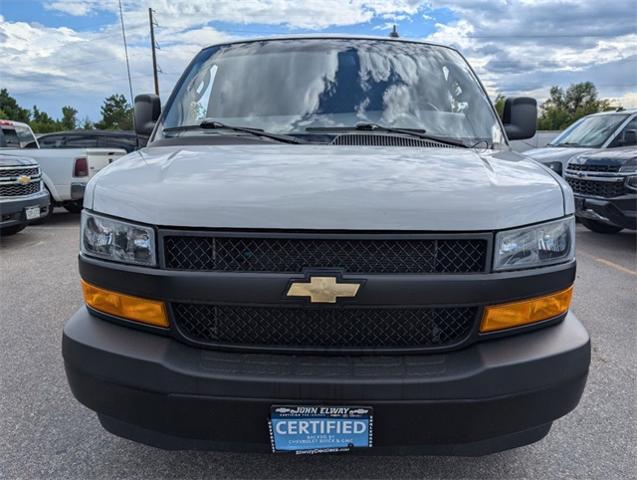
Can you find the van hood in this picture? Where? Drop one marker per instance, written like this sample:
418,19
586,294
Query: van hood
327,187
556,154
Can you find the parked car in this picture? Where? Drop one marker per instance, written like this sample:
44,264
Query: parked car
605,187
589,134
65,172
22,196
91,139
330,246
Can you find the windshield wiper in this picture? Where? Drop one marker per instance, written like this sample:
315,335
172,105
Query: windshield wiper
210,124
564,144
375,127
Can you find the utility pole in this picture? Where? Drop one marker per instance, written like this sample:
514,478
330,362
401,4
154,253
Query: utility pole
153,46
130,81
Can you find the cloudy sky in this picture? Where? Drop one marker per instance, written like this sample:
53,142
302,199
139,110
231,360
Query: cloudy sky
58,52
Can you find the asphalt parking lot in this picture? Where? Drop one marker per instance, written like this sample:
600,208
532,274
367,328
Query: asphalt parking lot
47,434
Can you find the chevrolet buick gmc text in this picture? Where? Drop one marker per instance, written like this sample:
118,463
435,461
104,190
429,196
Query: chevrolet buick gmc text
328,246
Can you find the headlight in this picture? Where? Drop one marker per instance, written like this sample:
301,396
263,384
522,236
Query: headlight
536,246
631,182
116,240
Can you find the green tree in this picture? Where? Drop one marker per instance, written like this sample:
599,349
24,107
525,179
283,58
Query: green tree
9,108
41,122
564,107
499,103
117,114
69,118
87,124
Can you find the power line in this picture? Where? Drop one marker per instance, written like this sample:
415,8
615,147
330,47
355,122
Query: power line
83,81
82,64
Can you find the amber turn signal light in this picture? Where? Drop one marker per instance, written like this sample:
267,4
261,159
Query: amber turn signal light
516,314
150,312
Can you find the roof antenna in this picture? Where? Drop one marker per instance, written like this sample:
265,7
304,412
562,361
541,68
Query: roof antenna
394,33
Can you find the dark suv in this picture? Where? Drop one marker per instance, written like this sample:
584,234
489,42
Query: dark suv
605,188
22,196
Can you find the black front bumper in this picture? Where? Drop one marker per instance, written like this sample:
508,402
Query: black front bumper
12,210
485,398
620,211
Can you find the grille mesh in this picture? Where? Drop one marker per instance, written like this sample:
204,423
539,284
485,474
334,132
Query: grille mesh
324,328
292,255
17,171
577,167
597,188
367,140
15,189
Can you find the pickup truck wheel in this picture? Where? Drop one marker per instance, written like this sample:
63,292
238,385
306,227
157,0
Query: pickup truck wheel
73,207
12,230
599,227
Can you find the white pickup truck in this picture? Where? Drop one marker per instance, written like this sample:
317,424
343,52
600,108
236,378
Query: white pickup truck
66,172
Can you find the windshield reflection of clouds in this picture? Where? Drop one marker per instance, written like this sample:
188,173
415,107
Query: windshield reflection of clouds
286,86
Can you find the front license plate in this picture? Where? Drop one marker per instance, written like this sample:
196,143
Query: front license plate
32,212
320,429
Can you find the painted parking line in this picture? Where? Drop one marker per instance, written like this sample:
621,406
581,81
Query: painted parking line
608,263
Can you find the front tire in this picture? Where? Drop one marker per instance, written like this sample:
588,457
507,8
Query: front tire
599,227
12,230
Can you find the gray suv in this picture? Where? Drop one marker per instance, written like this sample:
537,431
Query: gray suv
590,134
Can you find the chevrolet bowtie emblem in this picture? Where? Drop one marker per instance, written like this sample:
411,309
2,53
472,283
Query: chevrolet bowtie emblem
24,179
323,289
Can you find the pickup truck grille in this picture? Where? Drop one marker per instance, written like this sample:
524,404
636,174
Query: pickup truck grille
324,328
596,187
9,185
582,167
14,172
16,190
292,255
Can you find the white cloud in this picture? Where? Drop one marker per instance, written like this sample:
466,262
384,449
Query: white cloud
526,46
76,8
309,14
517,46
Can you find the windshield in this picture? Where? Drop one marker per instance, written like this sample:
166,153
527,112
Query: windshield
289,86
590,131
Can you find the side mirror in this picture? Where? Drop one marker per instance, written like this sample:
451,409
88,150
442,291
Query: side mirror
147,111
520,117
630,138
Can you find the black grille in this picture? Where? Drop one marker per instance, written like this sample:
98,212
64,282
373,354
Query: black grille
17,171
367,140
596,188
15,189
582,167
325,327
292,255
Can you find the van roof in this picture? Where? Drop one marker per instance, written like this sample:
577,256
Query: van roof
326,36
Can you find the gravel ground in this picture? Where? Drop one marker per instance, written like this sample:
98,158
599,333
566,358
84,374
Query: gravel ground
47,434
